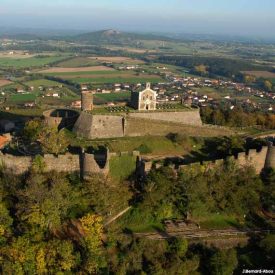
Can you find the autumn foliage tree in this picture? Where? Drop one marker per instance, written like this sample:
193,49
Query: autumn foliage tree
52,140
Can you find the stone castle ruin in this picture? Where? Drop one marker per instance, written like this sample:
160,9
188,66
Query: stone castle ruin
263,159
89,163
93,125
85,163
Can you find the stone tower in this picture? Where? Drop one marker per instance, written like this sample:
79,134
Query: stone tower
86,101
270,156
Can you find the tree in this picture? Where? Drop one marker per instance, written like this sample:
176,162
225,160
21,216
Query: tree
223,262
267,244
45,202
93,228
201,69
267,85
32,129
249,79
53,141
5,222
38,164
179,247
268,194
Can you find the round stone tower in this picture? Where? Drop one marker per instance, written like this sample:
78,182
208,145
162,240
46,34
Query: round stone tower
270,156
86,101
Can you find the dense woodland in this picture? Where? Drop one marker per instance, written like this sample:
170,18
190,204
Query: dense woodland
53,223
237,118
215,66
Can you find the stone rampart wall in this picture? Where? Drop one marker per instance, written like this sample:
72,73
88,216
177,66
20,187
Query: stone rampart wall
112,126
14,164
107,126
191,117
257,159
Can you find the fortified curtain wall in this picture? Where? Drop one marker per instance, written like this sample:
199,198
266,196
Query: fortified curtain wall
112,126
88,164
259,160
84,163
191,117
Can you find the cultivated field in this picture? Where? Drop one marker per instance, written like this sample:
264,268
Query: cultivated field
42,82
79,69
77,62
36,61
117,59
106,79
264,74
17,54
4,82
20,98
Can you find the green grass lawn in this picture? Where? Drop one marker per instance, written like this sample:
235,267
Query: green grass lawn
218,221
115,97
122,167
22,98
156,145
42,82
138,221
28,62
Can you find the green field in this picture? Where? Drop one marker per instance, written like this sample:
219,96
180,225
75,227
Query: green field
22,98
100,72
112,80
77,62
42,82
217,221
115,97
36,61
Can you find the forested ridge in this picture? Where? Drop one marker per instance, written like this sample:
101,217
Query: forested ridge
54,223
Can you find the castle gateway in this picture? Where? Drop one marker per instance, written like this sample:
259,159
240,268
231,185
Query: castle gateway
145,100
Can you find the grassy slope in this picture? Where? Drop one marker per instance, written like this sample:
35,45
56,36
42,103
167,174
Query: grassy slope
28,62
42,82
122,167
147,127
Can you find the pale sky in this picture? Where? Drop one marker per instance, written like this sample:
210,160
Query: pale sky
236,17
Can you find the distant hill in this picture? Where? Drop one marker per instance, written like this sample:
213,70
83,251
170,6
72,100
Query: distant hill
20,36
117,37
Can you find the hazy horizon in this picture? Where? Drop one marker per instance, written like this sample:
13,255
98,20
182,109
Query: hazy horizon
253,18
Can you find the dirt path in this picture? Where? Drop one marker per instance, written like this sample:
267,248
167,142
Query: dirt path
118,215
200,234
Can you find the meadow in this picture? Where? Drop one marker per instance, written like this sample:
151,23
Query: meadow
42,82
117,59
36,61
76,70
20,98
76,62
123,78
